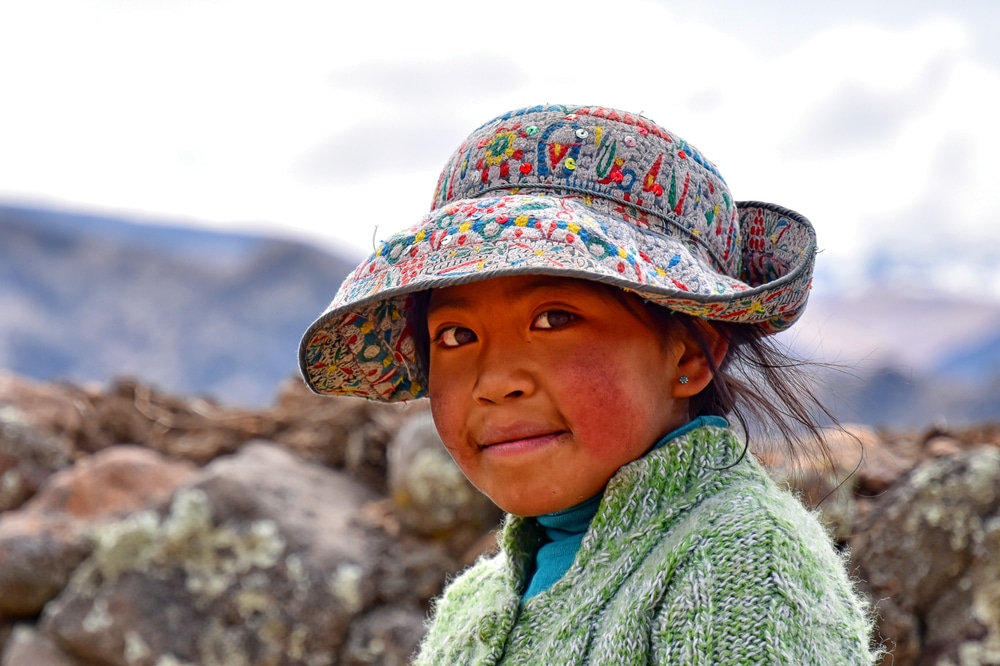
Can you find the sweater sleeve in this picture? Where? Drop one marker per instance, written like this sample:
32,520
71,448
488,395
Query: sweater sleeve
472,617
761,583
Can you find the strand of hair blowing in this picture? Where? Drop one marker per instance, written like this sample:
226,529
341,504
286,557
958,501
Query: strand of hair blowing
764,388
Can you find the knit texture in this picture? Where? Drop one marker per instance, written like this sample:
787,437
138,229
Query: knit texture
690,560
564,530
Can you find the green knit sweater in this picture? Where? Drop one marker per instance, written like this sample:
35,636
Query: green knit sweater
687,562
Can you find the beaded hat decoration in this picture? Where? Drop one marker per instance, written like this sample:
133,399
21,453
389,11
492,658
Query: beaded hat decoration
581,192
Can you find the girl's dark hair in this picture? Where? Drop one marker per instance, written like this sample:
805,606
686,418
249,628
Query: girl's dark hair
764,387
417,314
759,384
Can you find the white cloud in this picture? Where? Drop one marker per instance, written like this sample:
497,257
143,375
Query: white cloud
329,123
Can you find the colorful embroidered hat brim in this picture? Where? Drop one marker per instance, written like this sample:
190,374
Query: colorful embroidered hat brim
589,193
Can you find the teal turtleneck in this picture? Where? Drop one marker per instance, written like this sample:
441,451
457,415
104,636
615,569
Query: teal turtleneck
564,529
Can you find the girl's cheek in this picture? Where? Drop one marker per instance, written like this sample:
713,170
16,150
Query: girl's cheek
617,401
604,397
598,378
447,420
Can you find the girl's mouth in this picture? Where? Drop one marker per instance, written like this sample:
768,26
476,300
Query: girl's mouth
514,444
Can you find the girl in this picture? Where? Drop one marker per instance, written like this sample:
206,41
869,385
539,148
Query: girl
575,306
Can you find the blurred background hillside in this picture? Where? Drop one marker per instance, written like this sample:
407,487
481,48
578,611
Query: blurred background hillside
184,184
200,312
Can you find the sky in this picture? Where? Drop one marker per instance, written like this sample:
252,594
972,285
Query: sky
329,121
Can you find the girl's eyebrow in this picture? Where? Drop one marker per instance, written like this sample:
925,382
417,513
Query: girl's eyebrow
441,302
536,283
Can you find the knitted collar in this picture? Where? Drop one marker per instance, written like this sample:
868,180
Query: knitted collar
564,530
643,497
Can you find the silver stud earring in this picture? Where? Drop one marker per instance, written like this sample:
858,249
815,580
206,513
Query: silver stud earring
683,379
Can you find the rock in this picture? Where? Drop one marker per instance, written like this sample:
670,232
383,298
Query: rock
930,555
197,429
821,481
42,543
113,482
486,545
37,556
6,629
120,415
942,445
414,573
256,562
262,558
339,432
432,497
412,570
388,636
28,455
60,410
28,647
885,458
970,435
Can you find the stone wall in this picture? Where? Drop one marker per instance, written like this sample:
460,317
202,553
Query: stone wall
142,529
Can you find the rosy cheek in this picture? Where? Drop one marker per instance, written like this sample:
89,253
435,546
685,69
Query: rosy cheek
605,412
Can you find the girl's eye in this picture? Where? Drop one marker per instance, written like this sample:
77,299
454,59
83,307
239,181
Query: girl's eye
553,319
455,336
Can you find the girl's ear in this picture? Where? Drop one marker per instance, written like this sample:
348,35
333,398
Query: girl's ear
694,370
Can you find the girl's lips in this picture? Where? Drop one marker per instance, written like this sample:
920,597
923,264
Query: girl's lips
522,443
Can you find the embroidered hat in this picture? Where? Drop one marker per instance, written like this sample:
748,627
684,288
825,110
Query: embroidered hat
583,192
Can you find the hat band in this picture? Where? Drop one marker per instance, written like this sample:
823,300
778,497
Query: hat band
667,219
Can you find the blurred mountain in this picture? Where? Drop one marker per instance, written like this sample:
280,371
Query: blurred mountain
904,356
87,298
977,361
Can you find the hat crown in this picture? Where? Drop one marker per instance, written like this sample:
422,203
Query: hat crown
619,162
577,192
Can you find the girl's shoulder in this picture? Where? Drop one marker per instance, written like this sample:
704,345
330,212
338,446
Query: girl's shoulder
472,616
743,513
488,575
757,558
751,516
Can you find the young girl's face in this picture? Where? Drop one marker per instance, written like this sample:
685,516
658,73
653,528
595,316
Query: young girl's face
542,387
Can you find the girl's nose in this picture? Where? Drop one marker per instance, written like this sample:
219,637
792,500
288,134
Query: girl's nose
501,376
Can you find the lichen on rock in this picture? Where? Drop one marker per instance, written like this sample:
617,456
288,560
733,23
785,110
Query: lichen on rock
238,568
932,550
